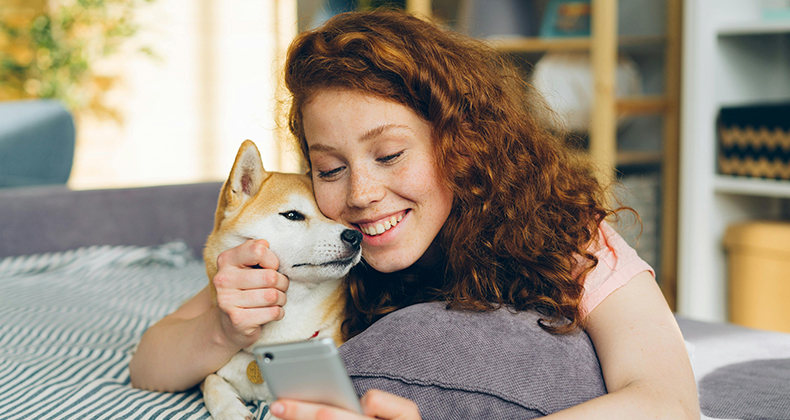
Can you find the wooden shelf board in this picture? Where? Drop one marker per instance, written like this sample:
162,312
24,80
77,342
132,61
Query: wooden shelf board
631,158
539,45
757,27
751,186
642,105
641,40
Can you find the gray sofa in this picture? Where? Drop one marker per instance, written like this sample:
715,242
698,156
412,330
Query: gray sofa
95,304
54,218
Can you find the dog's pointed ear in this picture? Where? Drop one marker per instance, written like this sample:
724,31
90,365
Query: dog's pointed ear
247,174
245,179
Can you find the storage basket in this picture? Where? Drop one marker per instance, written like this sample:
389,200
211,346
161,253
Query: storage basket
758,267
754,141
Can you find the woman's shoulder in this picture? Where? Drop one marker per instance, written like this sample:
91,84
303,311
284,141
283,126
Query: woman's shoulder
618,263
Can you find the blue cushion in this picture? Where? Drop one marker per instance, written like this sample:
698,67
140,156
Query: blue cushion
36,143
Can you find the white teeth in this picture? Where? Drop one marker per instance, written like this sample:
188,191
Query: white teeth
382,227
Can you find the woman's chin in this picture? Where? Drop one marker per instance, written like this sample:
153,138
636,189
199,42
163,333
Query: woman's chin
388,264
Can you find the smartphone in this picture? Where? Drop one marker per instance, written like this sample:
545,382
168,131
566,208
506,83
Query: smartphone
310,371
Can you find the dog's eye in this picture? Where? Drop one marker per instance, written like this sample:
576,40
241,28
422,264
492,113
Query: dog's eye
293,215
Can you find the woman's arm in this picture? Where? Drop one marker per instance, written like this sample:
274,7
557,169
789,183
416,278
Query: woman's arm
643,357
180,350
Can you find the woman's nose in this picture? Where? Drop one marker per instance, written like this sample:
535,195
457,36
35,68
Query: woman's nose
364,189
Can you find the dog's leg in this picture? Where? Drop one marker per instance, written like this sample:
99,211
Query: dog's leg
222,400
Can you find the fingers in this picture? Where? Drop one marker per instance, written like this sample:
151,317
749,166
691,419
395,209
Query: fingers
383,405
246,278
298,410
248,297
247,322
375,403
249,254
257,298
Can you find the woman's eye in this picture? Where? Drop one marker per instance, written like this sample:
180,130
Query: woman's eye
293,215
330,173
390,158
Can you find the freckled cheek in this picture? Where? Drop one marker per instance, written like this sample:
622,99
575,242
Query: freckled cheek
424,182
434,194
330,202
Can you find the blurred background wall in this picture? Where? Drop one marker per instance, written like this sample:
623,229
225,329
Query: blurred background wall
178,96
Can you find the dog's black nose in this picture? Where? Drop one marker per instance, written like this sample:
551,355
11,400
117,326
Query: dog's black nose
351,237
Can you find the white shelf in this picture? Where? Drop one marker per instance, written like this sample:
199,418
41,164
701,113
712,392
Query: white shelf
751,186
730,56
756,27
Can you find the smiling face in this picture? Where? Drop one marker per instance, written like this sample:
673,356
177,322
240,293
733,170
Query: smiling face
374,170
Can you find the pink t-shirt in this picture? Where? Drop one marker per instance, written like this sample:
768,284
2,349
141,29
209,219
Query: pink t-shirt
617,264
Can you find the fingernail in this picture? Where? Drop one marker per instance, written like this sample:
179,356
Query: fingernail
277,409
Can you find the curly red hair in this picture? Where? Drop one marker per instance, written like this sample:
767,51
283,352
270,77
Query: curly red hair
525,208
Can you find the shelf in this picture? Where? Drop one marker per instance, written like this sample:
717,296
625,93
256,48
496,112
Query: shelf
629,158
751,186
640,40
758,27
541,45
536,44
642,105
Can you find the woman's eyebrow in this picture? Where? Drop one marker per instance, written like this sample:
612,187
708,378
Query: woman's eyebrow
377,131
368,135
319,147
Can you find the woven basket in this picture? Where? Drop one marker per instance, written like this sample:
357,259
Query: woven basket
754,141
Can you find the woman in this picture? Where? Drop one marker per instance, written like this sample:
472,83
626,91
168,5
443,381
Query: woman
432,146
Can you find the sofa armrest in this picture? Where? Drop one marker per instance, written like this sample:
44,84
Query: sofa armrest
52,219
37,140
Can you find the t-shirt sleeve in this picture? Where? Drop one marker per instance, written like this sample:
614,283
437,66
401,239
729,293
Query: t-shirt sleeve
617,264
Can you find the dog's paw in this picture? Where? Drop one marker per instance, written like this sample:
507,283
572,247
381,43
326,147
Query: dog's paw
233,411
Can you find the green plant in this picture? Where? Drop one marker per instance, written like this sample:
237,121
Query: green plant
53,55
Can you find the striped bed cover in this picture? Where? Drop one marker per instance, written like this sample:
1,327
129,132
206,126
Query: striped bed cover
69,323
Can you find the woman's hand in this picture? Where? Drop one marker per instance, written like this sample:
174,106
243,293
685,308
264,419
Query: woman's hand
181,349
375,404
250,291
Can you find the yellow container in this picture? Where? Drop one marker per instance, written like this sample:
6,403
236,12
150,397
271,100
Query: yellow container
759,274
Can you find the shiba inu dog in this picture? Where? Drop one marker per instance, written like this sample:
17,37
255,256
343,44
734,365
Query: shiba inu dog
315,254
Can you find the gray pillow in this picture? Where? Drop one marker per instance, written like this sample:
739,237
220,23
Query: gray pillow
462,365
